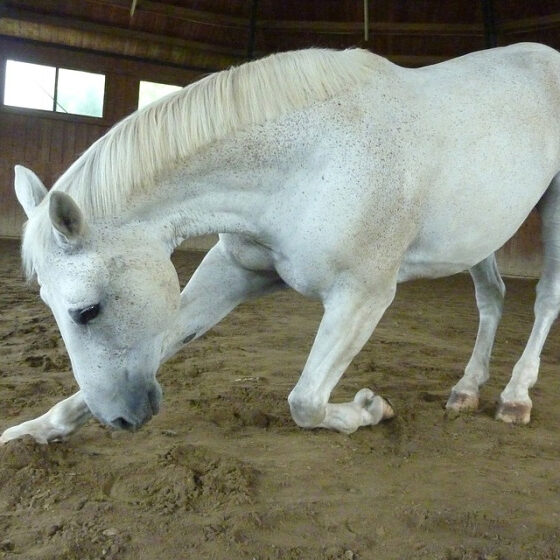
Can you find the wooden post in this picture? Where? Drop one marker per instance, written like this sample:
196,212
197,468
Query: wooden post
490,32
366,20
252,30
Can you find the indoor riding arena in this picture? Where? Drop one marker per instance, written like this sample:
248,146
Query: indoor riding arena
223,472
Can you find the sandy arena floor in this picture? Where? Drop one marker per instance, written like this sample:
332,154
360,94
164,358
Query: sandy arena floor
223,473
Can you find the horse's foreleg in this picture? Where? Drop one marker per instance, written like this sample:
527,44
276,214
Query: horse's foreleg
59,422
218,285
347,324
490,291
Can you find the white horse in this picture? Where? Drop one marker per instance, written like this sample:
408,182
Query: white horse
338,174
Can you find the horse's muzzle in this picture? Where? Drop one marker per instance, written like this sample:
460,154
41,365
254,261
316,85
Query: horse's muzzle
140,410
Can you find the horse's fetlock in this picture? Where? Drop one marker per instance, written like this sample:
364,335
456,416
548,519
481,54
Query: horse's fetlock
307,412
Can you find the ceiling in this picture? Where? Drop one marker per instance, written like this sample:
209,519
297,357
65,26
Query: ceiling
213,34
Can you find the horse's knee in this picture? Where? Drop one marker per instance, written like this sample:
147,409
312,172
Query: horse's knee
307,410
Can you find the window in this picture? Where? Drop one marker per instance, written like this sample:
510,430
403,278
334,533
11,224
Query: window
151,91
29,85
80,93
34,86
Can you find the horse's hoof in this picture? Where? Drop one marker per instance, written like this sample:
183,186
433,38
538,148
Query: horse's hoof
514,412
22,430
367,399
9,435
388,409
462,402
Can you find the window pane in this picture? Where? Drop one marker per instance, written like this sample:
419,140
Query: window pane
151,91
29,85
80,93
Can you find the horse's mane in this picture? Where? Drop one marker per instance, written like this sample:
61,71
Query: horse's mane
128,159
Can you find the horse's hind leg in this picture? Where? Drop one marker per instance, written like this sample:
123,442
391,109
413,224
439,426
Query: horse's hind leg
515,403
349,319
489,290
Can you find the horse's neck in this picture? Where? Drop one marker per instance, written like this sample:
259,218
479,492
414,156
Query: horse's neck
222,189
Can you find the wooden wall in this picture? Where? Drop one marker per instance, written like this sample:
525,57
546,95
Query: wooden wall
49,142
46,145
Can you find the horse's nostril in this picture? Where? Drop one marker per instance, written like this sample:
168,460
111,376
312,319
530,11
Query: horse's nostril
154,398
122,424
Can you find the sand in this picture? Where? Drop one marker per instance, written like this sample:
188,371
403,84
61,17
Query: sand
223,472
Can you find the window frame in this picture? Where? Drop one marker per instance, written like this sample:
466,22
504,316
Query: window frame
50,113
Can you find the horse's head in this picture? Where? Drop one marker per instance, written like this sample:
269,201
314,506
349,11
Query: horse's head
113,292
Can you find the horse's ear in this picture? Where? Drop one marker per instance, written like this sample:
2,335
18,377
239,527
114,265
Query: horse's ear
30,191
67,219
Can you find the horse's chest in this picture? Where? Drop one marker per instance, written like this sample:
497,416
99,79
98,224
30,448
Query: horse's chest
249,253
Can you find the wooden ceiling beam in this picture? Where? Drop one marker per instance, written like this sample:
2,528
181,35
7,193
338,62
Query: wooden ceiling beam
178,12
105,29
127,42
314,26
529,24
79,34
375,27
292,26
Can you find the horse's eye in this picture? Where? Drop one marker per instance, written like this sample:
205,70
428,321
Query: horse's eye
85,315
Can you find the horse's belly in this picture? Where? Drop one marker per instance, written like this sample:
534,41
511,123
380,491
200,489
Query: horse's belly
477,205
456,241
418,267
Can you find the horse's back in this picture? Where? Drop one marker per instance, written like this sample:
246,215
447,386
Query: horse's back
432,168
491,121
516,56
